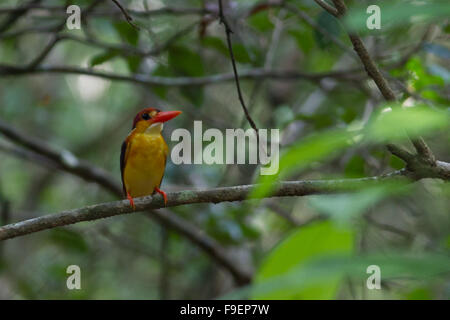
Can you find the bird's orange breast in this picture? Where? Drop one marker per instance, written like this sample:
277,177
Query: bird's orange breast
145,163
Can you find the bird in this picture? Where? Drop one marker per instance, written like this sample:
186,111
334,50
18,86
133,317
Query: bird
143,155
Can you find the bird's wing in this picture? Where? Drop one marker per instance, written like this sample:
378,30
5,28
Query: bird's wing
123,159
123,154
165,162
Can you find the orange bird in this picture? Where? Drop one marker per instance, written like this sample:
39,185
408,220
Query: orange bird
144,154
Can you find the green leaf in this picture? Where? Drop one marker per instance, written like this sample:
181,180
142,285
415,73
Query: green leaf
396,163
240,53
261,21
420,78
194,95
130,35
393,125
355,168
185,61
304,39
103,57
344,207
447,242
215,43
320,271
161,71
127,33
283,116
331,25
296,251
419,294
69,240
133,63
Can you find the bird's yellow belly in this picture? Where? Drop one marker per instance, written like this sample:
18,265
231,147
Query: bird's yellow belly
145,164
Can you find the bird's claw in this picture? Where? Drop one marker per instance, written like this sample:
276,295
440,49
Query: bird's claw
130,198
163,194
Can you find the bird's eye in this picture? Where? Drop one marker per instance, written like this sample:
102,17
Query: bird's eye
145,116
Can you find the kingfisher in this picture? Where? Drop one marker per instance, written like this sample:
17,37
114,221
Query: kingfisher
144,154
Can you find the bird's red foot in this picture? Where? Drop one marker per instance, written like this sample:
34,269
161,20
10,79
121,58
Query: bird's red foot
130,198
163,194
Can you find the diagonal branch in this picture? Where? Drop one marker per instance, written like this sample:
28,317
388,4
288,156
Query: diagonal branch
327,7
125,14
208,244
45,52
63,158
366,60
425,155
21,11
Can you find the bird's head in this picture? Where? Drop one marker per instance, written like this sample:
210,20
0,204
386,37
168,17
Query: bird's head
152,119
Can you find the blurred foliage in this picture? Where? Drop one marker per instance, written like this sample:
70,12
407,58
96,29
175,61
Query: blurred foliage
399,13
330,129
296,251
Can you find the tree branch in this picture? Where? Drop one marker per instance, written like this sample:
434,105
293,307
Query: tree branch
65,159
287,75
423,150
208,244
327,7
108,13
217,195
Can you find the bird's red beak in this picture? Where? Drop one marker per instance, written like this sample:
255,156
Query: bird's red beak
164,116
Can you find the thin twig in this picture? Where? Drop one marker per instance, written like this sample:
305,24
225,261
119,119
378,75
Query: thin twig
21,10
228,33
125,13
329,8
45,52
